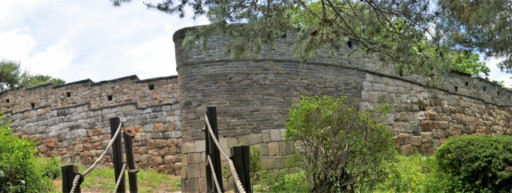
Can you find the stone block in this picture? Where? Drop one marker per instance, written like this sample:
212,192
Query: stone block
158,127
254,139
408,149
195,158
194,171
265,135
188,147
267,162
263,149
155,161
202,185
191,185
426,137
148,128
275,135
273,148
200,145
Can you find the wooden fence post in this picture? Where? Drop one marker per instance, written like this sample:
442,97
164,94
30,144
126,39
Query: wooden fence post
69,173
213,152
240,157
128,146
117,153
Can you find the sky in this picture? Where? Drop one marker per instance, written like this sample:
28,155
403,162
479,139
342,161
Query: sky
80,39
91,39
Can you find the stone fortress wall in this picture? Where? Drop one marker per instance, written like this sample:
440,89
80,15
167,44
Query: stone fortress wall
251,97
72,120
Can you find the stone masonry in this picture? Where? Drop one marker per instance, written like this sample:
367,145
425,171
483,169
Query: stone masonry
252,97
72,120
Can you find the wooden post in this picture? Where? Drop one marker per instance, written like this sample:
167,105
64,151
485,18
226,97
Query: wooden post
117,153
240,157
211,149
69,173
132,177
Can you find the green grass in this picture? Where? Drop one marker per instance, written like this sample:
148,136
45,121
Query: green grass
102,180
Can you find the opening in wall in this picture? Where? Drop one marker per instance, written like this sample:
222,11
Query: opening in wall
151,86
109,97
467,83
68,94
456,89
7,101
484,88
498,92
32,105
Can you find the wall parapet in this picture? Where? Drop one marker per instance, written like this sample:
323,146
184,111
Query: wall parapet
129,89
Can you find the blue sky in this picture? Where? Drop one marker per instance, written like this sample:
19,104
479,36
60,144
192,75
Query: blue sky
79,39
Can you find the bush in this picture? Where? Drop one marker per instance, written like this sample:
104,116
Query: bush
283,182
18,171
343,146
50,167
414,173
479,163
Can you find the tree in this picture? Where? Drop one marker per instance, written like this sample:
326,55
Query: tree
11,77
33,80
414,36
344,147
9,73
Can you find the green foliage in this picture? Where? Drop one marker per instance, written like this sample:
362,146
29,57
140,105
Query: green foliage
103,180
29,80
12,77
468,62
343,147
479,163
283,182
9,73
18,166
50,167
414,173
255,165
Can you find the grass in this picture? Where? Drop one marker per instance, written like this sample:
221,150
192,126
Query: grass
102,180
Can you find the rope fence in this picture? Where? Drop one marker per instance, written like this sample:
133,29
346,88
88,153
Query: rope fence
78,179
231,165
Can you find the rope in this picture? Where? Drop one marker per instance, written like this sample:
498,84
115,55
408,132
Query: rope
128,132
120,178
77,177
214,176
230,162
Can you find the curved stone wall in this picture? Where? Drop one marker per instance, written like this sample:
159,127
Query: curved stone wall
251,97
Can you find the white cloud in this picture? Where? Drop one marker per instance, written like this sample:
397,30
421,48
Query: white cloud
50,61
14,45
76,40
153,58
10,10
496,73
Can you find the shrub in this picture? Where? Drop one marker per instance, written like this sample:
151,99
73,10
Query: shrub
18,171
343,146
414,173
283,182
479,163
50,167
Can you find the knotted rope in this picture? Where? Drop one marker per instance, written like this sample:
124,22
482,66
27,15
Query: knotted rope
230,162
88,170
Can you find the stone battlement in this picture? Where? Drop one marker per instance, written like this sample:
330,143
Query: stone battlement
128,89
